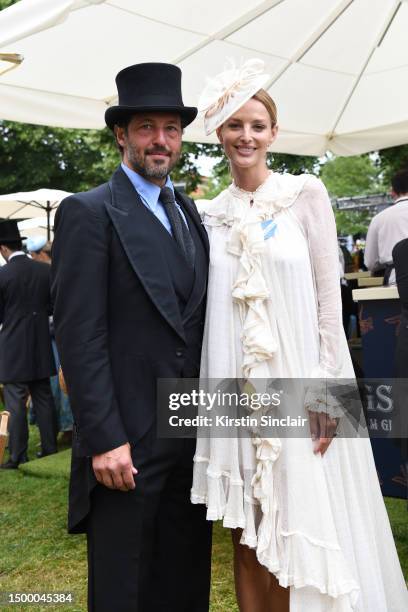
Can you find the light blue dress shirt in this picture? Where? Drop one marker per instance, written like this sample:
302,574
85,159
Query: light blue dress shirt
149,194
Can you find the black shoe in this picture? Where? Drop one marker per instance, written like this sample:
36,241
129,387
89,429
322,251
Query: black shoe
9,465
41,454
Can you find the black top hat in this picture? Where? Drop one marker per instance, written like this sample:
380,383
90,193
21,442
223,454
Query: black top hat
149,87
9,232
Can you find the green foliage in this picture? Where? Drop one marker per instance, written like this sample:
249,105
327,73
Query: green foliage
33,156
187,170
216,184
36,553
349,222
351,176
294,164
391,160
6,3
49,467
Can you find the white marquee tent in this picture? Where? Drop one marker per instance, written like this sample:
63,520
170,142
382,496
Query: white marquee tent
339,68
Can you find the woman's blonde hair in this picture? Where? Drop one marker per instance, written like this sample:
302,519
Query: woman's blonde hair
263,97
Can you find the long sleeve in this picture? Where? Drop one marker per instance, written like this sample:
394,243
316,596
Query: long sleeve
314,210
79,291
315,213
371,253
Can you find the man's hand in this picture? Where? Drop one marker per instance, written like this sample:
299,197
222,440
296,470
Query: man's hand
114,469
322,429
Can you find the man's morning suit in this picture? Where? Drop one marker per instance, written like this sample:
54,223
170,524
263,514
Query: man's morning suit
26,358
129,310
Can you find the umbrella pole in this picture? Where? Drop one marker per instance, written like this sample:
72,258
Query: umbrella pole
48,209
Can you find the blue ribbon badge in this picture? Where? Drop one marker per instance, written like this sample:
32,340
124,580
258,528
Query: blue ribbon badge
269,227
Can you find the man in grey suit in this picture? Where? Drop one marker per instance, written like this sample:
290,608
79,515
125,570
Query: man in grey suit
26,358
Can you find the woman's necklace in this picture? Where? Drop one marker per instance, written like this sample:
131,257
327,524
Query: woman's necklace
252,194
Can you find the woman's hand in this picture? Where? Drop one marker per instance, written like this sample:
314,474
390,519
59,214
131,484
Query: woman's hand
322,429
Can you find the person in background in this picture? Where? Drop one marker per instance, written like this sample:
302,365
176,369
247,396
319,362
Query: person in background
400,259
40,250
387,228
26,359
349,307
357,255
348,260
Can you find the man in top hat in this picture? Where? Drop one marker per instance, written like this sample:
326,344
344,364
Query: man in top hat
26,358
129,274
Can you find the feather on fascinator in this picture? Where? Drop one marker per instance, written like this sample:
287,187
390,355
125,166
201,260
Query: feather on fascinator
228,91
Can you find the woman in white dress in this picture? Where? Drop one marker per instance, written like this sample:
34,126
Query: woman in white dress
309,527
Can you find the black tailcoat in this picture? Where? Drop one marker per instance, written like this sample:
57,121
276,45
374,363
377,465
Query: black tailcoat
127,310
25,342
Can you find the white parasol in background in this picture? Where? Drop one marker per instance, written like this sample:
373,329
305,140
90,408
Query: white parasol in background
36,207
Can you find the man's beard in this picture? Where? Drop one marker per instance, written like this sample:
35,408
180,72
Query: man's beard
147,168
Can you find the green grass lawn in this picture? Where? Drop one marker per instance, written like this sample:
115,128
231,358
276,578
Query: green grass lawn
36,554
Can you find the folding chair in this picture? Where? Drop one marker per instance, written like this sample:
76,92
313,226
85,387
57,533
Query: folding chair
4,416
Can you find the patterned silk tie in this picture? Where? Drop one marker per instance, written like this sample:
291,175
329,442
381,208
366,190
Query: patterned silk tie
180,230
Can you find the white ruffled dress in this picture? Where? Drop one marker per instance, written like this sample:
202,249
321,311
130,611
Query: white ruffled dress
318,524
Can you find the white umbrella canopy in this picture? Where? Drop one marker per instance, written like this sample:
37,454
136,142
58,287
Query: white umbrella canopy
37,226
339,68
37,207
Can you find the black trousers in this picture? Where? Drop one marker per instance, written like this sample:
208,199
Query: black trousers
15,398
149,550
400,390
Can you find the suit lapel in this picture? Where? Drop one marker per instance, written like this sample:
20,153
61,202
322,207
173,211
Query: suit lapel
140,237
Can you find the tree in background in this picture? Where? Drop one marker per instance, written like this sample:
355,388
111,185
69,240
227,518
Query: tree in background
187,171
352,176
350,222
35,156
391,160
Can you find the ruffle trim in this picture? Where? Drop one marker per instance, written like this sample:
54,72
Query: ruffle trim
250,292
317,400
296,559
246,241
318,397
277,192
